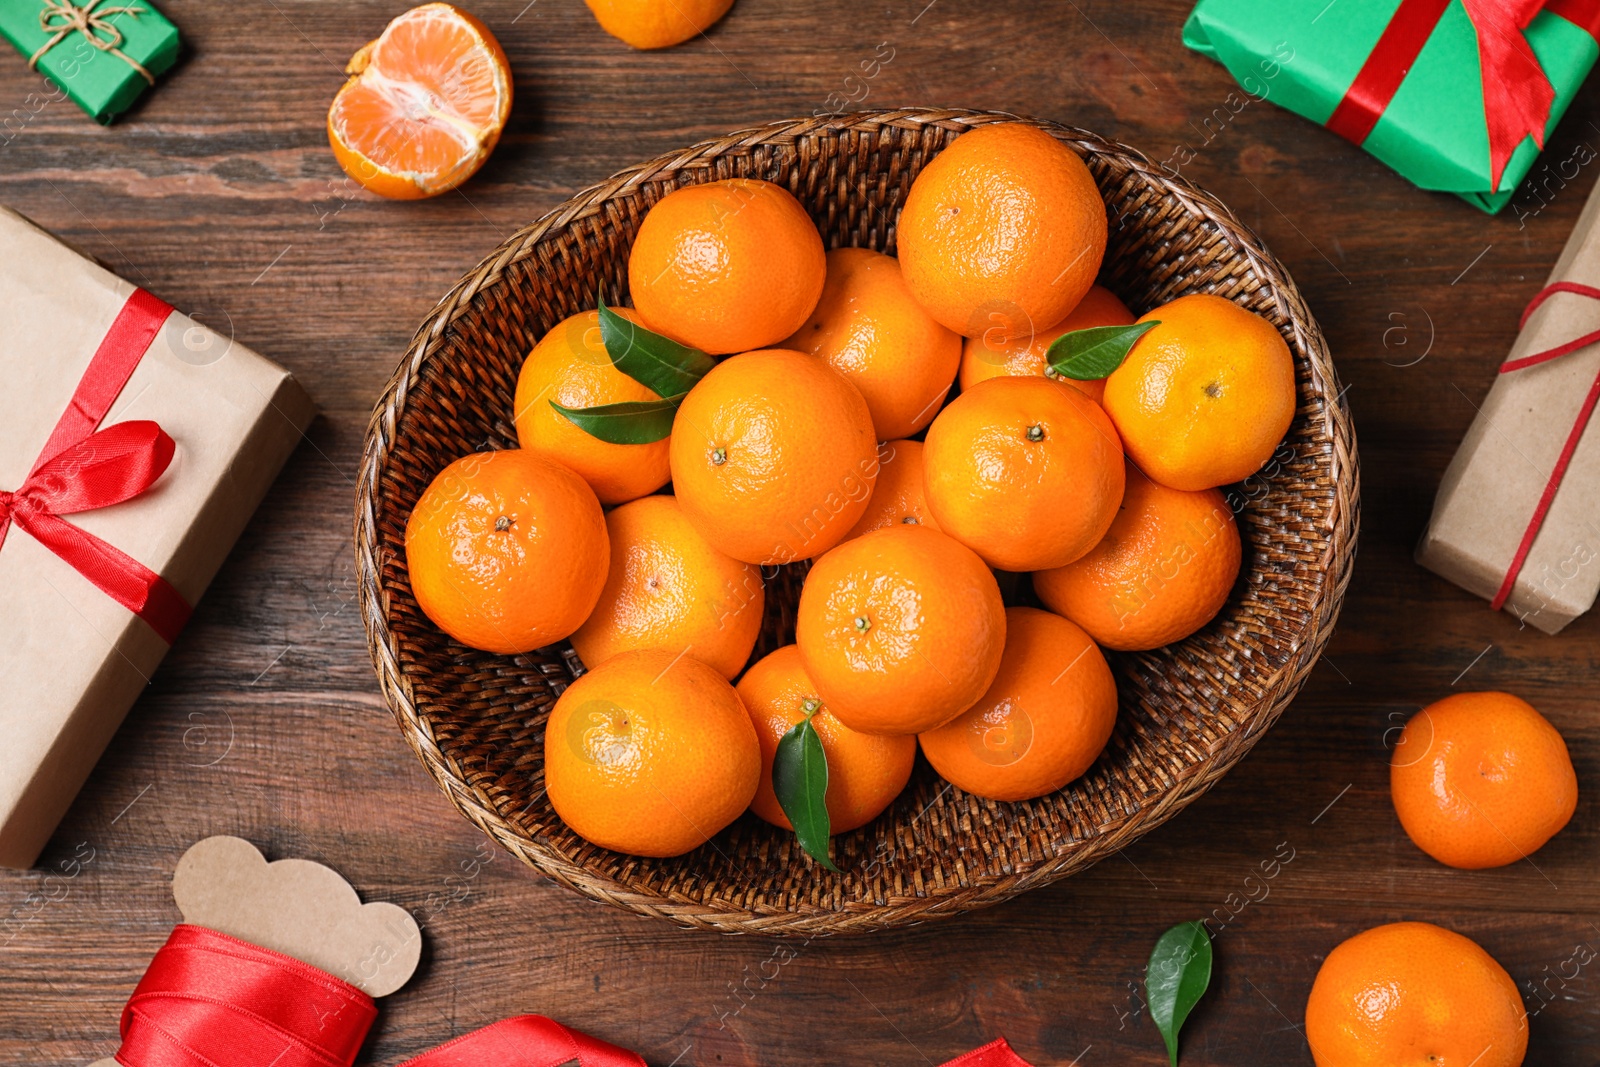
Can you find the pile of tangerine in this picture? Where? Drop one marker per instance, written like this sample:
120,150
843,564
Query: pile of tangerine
798,403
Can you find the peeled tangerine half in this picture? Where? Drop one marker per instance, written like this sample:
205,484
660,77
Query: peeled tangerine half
424,105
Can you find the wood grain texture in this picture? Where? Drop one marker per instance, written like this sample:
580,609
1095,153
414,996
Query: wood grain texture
219,194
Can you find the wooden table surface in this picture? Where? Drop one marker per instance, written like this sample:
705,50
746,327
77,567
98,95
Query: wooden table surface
219,194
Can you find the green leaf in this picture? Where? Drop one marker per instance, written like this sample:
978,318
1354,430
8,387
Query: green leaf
1175,979
800,779
658,363
1094,353
633,422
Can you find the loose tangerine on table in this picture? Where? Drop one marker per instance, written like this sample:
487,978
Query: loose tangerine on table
649,24
1414,993
425,104
1481,780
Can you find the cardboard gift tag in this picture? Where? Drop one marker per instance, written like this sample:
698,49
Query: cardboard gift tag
298,908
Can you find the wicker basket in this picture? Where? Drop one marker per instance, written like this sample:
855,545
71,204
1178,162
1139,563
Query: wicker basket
1188,712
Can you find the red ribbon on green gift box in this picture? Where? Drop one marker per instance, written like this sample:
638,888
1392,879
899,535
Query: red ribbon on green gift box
1517,94
210,999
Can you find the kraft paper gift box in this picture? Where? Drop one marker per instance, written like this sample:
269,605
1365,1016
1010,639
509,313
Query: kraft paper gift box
1489,499
1453,94
91,596
102,54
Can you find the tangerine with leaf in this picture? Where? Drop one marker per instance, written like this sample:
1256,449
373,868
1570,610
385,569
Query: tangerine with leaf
1000,353
571,369
864,772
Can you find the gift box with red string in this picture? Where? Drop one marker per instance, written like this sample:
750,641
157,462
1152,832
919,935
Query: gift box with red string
134,445
1517,517
1456,95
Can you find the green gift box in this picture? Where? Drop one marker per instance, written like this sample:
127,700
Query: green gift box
101,54
1456,95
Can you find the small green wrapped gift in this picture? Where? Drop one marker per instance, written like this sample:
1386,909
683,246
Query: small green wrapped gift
102,55
1456,95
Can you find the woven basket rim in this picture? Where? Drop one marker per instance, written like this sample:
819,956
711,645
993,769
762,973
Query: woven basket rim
1331,577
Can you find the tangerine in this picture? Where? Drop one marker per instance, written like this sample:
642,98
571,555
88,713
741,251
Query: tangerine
1481,780
1026,472
650,754
507,551
570,367
424,106
901,629
773,456
669,590
726,266
998,352
868,327
897,495
1042,722
865,771
1412,994
1006,218
653,24
1161,572
1203,399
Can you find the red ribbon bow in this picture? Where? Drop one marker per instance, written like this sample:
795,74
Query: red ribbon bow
1547,497
209,999
80,470
1517,95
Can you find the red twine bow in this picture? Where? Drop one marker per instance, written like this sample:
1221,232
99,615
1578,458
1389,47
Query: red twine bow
1517,95
1573,437
209,999
80,469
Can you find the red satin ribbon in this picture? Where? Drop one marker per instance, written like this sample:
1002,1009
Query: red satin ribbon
80,469
210,1000
1517,95
995,1054
1547,497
